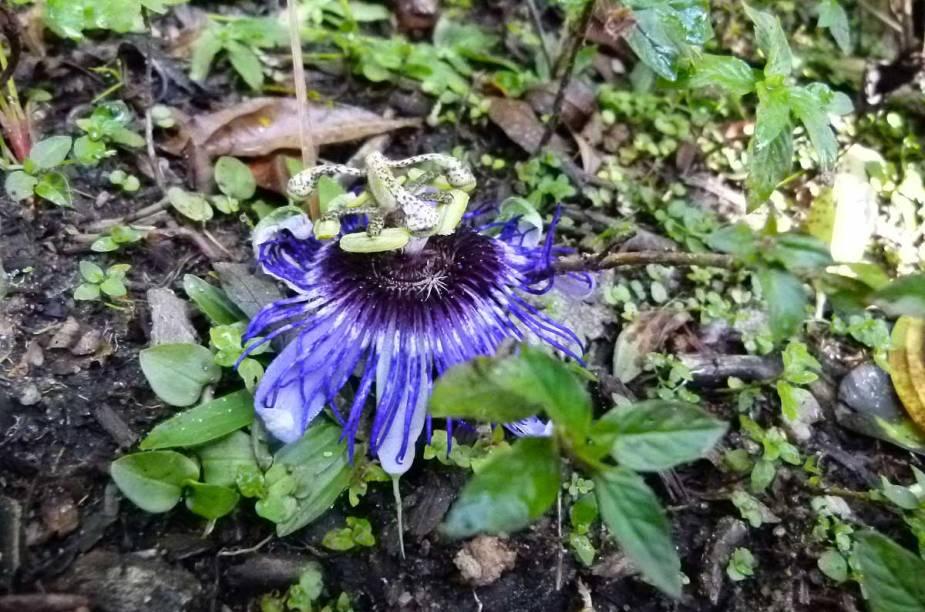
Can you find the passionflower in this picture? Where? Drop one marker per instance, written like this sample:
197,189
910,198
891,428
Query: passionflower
393,321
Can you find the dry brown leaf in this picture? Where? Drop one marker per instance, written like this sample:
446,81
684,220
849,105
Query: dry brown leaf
907,366
578,102
518,121
263,126
643,336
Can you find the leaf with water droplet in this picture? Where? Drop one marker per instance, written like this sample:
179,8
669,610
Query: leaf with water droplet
206,422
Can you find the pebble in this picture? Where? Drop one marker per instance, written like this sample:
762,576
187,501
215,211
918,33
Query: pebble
30,395
868,389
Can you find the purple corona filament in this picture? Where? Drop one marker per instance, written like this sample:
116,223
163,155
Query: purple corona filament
394,321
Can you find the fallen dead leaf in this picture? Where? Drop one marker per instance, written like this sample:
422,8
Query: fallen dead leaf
907,366
643,336
263,126
519,122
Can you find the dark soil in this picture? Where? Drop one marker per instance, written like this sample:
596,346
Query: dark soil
65,417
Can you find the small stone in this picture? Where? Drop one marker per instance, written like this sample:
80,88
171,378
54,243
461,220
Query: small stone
808,413
729,533
868,389
30,395
59,513
169,318
117,583
88,343
65,335
483,559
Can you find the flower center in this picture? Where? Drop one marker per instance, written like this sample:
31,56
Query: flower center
445,265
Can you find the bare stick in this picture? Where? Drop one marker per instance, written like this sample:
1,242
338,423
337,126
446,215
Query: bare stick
643,258
306,140
578,41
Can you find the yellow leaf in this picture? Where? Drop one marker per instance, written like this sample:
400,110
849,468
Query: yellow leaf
907,366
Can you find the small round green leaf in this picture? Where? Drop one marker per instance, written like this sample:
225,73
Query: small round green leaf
234,178
153,480
19,185
190,205
210,501
178,372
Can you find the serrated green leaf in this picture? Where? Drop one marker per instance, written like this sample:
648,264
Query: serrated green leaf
729,73
767,167
512,489
773,113
178,372
246,64
153,480
658,435
890,574
513,387
786,301
772,41
903,296
637,521
833,17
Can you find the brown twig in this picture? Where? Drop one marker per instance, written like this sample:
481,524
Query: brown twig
590,263
578,39
306,139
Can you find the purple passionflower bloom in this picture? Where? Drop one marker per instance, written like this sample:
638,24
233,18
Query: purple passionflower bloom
396,320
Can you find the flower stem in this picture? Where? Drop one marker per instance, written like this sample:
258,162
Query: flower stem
397,494
589,263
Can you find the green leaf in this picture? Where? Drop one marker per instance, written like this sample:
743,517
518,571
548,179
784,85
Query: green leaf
191,205
246,63
87,292
91,272
205,48
511,490
725,71
890,575
667,30
19,185
226,458
49,153
317,463
738,240
212,301
154,480
234,178
106,244
767,167
773,113
126,137
89,152
799,252
904,296
203,423
786,301
772,41
810,105
637,521
113,287
658,435
513,387
833,16
833,564
178,372
210,501
55,188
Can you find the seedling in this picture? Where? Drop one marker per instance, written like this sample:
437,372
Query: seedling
97,284
39,175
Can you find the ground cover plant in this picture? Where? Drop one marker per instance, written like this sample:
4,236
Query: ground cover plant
544,305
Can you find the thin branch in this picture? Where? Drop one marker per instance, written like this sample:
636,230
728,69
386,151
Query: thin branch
586,263
306,139
577,42
536,18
